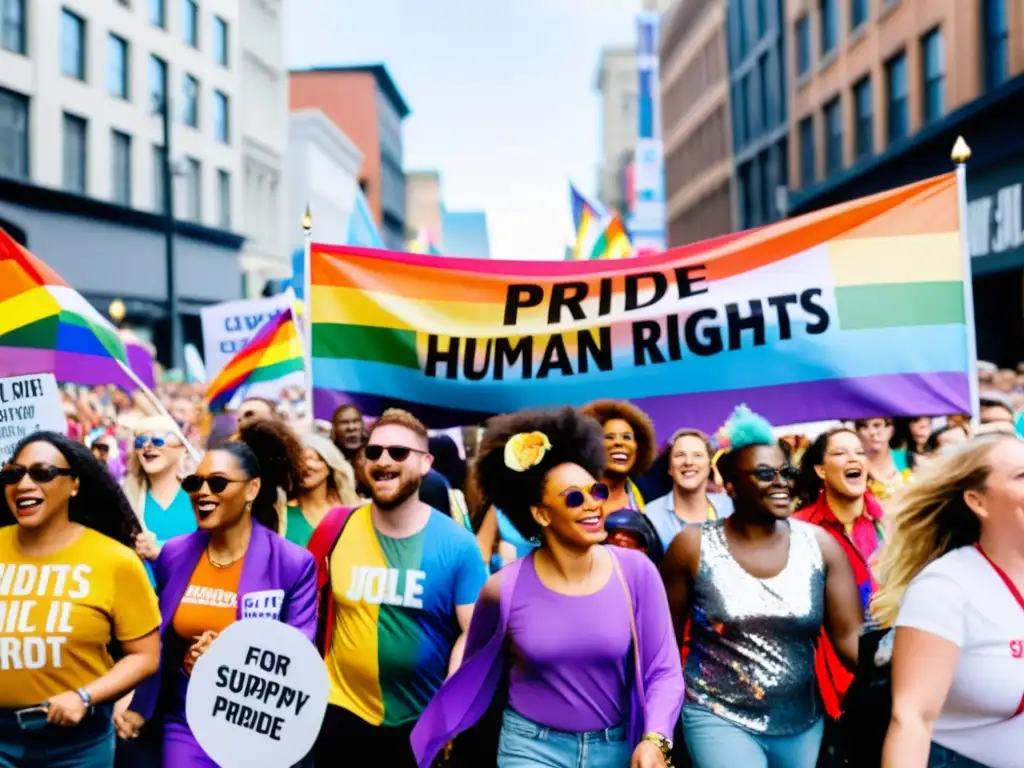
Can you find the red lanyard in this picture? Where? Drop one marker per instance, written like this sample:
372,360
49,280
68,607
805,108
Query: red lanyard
1016,596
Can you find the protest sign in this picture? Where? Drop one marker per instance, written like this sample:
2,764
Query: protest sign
258,695
849,312
28,404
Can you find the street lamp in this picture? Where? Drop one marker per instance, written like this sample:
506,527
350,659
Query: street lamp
163,109
117,310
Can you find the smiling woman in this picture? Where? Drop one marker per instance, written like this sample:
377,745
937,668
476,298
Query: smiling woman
65,535
629,443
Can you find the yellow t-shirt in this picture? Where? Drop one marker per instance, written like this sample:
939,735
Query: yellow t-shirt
58,614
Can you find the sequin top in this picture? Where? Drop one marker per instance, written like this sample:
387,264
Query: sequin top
752,640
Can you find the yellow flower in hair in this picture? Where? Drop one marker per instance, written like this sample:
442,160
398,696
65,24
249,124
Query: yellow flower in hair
526,450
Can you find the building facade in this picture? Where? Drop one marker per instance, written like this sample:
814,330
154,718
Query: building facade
365,103
696,124
880,89
323,168
82,149
760,124
424,205
263,139
618,85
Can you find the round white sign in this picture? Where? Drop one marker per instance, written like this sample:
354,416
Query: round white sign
258,695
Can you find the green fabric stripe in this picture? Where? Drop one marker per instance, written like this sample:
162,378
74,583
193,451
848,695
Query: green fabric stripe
276,371
367,343
897,305
42,334
105,336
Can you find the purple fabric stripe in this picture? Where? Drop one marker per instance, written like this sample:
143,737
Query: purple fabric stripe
70,367
927,394
141,362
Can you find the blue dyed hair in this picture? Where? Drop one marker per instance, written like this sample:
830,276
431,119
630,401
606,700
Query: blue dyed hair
745,428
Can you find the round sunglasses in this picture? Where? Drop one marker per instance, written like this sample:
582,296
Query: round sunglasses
39,473
398,453
575,499
216,483
788,473
157,441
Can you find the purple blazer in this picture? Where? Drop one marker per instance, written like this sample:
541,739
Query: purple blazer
271,563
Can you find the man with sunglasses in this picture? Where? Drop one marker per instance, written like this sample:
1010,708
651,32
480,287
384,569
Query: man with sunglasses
399,580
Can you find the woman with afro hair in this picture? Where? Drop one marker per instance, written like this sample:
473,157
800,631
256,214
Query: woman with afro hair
66,550
759,586
630,447
595,670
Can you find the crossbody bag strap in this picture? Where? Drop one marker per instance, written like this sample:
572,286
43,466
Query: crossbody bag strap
638,667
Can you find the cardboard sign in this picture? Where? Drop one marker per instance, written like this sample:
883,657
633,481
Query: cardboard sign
28,404
258,696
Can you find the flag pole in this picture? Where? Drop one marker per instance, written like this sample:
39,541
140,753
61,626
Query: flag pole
161,410
960,154
307,332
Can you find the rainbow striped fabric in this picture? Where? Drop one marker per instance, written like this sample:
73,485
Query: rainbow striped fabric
587,220
48,327
273,353
613,243
853,311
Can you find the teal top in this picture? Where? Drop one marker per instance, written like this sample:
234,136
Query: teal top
177,519
899,458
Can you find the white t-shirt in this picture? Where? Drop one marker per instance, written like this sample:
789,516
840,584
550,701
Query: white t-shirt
962,598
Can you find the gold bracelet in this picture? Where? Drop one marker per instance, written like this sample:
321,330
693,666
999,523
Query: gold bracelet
662,743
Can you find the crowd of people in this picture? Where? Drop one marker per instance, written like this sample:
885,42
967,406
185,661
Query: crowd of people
557,588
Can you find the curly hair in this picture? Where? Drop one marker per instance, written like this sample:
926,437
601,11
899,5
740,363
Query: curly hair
100,503
575,439
271,451
604,411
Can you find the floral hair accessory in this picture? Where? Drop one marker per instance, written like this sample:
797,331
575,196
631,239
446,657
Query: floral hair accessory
526,450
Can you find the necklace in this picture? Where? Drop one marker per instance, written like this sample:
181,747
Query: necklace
215,564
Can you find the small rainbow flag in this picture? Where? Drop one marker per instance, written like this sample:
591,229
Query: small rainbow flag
586,221
48,327
273,353
614,242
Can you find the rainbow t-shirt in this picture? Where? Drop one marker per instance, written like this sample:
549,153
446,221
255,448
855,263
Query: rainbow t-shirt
395,622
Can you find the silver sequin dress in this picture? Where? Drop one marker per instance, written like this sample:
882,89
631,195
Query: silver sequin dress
752,641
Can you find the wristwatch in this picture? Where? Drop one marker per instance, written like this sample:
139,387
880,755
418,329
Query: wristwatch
665,745
86,698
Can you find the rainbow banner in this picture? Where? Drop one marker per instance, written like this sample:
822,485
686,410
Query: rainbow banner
854,311
273,353
614,242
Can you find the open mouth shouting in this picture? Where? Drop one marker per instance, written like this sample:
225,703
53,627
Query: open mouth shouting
206,506
385,480
27,506
150,456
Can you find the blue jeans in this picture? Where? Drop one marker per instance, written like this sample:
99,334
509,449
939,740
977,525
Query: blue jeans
526,744
90,744
940,757
714,742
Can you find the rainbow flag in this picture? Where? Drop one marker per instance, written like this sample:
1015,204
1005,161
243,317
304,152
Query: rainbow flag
586,218
849,312
48,327
273,353
613,243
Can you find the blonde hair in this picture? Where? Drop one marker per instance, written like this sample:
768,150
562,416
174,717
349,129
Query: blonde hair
136,481
342,474
931,518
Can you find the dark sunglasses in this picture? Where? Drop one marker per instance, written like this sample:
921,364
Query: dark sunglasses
157,441
575,498
788,473
217,483
39,473
101,448
397,452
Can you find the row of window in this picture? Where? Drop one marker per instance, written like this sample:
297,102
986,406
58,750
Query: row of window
862,97
759,99
190,27
14,162
73,64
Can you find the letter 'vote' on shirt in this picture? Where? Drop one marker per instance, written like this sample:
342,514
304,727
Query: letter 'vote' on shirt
59,613
395,621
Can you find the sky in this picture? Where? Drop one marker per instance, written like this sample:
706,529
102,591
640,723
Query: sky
503,97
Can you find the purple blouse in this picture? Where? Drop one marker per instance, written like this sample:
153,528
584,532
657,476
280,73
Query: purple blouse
572,675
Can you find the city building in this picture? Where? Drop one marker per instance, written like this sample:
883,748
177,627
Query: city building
618,85
323,168
696,125
880,89
82,150
424,205
760,125
365,103
263,139
465,234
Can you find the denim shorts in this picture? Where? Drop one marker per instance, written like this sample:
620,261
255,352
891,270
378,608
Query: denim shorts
714,742
90,744
940,757
526,744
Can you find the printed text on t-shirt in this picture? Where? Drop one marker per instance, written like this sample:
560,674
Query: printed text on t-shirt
212,597
379,586
43,597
